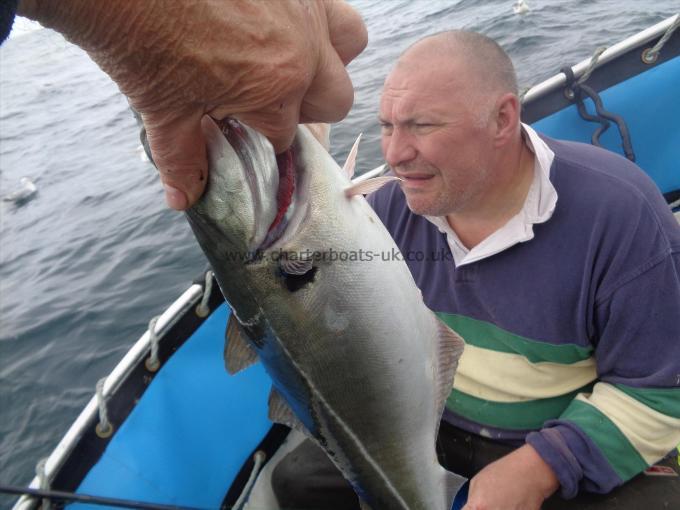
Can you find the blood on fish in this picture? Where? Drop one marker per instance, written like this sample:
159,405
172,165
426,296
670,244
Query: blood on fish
284,195
236,135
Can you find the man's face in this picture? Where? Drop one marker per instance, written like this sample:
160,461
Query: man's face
436,136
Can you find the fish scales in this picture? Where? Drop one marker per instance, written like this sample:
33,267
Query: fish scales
349,344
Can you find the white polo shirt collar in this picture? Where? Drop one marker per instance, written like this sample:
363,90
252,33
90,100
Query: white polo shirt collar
538,207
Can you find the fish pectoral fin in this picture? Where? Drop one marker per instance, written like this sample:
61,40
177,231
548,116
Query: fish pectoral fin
280,412
238,353
449,348
350,162
369,185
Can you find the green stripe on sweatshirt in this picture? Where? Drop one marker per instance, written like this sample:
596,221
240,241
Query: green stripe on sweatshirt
621,454
489,336
527,415
663,400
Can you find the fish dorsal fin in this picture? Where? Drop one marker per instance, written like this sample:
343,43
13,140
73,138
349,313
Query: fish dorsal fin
280,412
369,185
238,353
448,350
348,167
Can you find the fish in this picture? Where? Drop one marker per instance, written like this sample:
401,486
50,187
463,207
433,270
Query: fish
322,297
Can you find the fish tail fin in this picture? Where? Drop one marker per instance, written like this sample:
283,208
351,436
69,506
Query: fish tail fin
456,490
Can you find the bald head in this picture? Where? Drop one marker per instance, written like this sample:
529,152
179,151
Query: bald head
451,127
489,67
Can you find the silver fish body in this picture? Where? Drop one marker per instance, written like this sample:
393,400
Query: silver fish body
333,314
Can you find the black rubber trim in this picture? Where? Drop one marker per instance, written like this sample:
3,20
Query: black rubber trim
672,196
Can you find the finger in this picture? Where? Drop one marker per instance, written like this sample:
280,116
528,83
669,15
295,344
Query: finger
178,149
331,94
278,123
346,30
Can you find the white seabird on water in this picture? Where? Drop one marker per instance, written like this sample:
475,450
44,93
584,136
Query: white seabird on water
23,194
520,7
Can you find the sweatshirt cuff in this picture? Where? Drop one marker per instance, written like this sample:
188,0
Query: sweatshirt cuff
553,449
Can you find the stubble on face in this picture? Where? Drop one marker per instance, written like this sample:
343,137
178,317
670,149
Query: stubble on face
451,151
447,194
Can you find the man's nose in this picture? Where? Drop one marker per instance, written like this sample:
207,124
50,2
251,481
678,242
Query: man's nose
398,147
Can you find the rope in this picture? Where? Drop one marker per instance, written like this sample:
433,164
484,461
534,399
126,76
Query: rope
577,92
42,482
152,363
570,86
202,310
258,460
103,428
650,55
592,64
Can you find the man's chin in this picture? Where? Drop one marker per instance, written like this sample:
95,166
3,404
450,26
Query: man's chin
422,207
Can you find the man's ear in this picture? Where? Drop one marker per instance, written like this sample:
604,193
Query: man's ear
507,118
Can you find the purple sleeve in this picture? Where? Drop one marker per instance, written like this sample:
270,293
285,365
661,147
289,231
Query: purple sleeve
638,350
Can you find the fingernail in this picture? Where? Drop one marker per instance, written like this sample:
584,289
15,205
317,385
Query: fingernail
175,198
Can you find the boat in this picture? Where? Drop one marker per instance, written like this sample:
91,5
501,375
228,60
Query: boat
169,428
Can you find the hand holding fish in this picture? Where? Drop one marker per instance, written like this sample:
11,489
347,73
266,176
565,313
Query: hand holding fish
520,480
269,64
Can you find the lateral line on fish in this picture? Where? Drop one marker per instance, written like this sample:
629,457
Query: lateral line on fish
358,444
249,323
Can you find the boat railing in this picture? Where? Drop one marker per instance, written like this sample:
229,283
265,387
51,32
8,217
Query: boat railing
189,299
377,171
559,80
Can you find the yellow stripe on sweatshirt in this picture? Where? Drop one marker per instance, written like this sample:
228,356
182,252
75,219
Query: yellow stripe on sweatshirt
651,433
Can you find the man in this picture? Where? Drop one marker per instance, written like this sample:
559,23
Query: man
270,64
563,278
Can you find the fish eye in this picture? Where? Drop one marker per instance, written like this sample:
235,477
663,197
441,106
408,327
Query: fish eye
295,282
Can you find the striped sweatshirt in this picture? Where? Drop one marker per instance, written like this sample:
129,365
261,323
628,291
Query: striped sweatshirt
572,338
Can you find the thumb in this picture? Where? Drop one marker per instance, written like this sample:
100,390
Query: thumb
178,148
278,122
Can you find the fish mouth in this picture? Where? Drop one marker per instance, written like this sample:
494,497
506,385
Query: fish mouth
288,189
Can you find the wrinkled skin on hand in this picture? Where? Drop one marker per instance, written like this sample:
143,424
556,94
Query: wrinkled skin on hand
519,481
270,64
